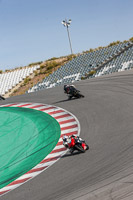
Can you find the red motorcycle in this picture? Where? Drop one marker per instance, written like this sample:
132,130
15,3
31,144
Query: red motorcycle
75,143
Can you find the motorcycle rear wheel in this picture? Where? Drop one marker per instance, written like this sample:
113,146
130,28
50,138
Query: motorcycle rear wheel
70,97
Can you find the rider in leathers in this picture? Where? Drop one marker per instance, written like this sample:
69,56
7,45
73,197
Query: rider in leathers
70,90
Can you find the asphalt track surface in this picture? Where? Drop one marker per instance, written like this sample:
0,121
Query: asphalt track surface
105,171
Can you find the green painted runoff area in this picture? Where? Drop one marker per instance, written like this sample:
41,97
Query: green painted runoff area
27,136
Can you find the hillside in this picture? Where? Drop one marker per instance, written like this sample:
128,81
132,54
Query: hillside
46,68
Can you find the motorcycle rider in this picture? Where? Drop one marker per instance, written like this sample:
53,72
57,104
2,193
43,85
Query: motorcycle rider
70,90
69,142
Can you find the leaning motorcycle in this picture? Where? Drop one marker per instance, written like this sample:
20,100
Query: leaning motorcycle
76,143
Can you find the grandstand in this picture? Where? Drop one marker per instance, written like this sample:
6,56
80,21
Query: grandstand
9,80
105,60
122,62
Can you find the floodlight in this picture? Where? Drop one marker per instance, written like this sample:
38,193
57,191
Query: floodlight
67,24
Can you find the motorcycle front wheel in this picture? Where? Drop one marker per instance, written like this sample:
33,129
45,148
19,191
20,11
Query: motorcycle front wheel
80,148
87,147
78,95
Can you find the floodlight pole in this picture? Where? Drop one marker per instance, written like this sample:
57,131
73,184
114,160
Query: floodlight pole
69,40
67,24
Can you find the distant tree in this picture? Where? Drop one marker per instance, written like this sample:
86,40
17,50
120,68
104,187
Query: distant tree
114,43
92,72
131,39
91,50
35,63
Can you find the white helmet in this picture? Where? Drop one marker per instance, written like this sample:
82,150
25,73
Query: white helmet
65,137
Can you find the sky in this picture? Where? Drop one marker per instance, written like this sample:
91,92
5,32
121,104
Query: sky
31,30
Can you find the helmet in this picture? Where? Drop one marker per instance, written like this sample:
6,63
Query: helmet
65,137
65,87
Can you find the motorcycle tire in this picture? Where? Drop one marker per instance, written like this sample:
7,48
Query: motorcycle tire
87,147
79,148
82,95
71,152
78,95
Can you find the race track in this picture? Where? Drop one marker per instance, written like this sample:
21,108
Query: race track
105,172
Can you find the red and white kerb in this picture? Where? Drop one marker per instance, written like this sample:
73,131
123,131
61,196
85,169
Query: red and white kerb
68,124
